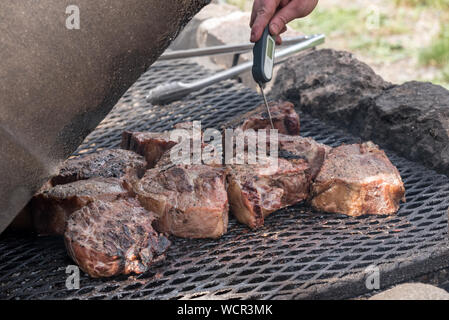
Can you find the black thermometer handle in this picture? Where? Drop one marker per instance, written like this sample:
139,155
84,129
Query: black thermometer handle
260,54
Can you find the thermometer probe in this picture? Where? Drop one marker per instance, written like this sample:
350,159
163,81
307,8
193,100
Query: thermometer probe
262,70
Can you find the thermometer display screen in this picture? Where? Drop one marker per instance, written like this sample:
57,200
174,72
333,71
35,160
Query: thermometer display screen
270,48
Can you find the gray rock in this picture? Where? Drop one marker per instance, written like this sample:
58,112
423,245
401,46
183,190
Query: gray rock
413,291
411,119
328,84
189,37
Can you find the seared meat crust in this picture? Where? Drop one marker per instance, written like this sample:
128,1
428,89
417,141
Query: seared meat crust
190,201
358,179
114,237
51,208
255,191
284,116
111,163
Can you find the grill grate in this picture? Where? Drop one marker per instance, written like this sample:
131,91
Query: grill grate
298,254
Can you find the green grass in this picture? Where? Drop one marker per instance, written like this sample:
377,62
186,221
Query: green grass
347,28
438,52
423,3
243,5
328,21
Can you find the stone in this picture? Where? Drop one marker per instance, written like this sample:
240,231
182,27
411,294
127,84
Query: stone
188,38
411,119
413,291
328,84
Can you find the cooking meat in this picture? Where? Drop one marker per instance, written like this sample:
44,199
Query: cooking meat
305,148
151,145
214,160
154,145
357,179
51,208
107,238
284,116
105,163
255,191
157,147
190,201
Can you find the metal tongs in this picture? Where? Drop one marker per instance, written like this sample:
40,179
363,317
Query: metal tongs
173,91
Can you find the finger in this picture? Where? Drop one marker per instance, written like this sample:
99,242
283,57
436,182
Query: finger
284,3
256,4
283,30
278,40
264,13
295,9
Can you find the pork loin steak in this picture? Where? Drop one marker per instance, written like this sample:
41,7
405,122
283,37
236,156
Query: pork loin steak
111,238
190,201
51,208
306,148
105,163
358,179
284,116
151,145
255,191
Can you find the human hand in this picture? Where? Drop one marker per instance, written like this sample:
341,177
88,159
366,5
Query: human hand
277,13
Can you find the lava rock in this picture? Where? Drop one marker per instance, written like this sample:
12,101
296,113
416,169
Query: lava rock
328,84
411,119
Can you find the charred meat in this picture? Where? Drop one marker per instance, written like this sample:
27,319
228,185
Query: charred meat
51,208
151,145
255,191
108,238
204,154
190,201
358,179
161,150
284,116
306,148
110,163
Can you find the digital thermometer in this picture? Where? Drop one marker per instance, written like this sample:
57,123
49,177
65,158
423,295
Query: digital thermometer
263,62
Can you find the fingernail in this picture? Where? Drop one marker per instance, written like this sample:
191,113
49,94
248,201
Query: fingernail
274,29
253,35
